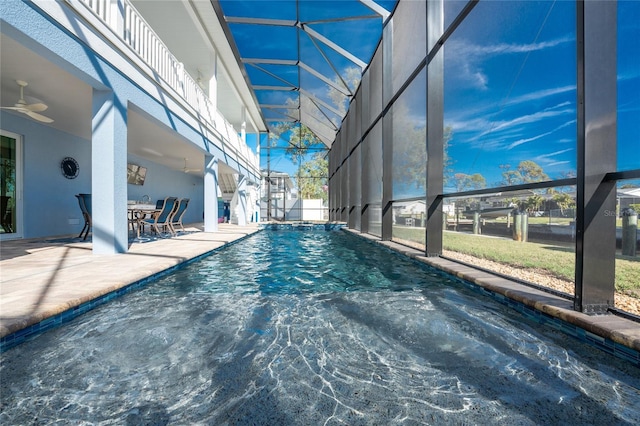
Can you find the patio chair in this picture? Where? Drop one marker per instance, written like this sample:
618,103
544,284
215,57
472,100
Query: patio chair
84,200
176,218
163,218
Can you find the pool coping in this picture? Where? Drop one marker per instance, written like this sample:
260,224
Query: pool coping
616,335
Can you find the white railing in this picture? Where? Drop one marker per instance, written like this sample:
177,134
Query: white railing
101,8
145,42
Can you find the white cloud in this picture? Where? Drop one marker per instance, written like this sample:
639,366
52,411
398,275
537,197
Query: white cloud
628,75
505,48
466,57
467,119
558,163
550,160
553,154
523,141
541,94
525,119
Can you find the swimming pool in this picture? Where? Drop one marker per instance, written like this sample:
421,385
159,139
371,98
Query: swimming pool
311,327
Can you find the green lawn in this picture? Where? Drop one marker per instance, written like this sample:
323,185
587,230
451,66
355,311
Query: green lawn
555,259
539,220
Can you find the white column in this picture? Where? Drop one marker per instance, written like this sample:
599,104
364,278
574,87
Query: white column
213,83
109,174
256,209
243,127
210,194
241,207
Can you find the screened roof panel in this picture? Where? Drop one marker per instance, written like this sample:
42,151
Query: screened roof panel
306,55
276,97
324,132
319,11
283,9
312,108
265,75
266,41
275,115
333,31
318,89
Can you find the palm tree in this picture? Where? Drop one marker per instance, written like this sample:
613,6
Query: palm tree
533,203
564,201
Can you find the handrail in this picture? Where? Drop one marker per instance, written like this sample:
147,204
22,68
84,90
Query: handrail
139,35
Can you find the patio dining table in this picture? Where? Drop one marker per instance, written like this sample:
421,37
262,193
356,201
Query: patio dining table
137,213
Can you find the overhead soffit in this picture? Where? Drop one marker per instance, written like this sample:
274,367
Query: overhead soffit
303,58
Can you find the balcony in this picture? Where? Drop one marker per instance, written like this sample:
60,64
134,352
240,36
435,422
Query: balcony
120,19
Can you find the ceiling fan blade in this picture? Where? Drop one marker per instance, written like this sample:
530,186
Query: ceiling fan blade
31,110
38,117
38,107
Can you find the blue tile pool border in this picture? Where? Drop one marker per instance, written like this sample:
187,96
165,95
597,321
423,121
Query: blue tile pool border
607,345
303,226
30,332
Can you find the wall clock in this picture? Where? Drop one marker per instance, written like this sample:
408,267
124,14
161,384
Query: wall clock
70,167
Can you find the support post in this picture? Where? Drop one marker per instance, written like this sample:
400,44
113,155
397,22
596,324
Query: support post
241,207
435,130
476,223
517,226
596,36
629,232
210,194
109,174
387,133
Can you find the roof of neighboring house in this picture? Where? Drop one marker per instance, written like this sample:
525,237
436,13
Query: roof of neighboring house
629,193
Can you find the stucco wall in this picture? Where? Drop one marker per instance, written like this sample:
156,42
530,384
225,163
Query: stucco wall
49,205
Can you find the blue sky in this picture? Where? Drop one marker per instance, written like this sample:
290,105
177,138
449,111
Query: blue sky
509,78
510,88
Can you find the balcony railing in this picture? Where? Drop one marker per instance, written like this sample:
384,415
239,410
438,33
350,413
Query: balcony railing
135,32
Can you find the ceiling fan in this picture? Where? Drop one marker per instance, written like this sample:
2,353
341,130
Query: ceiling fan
31,110
186,170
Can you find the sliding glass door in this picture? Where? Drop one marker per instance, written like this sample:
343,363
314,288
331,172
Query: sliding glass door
10,185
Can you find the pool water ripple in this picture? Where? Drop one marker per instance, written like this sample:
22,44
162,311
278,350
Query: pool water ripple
313,327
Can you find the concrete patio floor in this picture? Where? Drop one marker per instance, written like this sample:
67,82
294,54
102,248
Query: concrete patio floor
40,278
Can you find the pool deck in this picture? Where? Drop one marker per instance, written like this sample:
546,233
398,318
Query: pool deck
40,278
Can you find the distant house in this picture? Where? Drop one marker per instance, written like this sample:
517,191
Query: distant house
277,195
629,196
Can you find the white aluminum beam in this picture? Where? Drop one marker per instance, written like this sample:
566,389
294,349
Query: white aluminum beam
278,106
280,88
269,73
321,102
269,61
340,50
260,21
323,78
384,13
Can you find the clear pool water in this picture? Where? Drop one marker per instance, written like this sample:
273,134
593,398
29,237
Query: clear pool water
311,328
